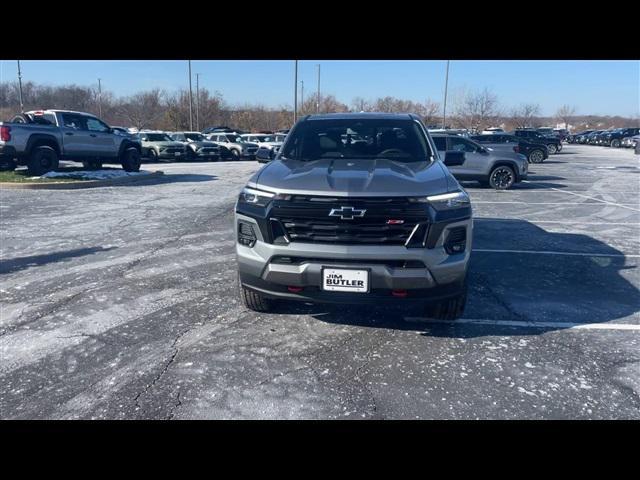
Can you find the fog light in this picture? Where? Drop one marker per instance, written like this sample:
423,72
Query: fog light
456,240
246,235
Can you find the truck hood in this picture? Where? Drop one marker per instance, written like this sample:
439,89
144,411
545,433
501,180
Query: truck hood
344,178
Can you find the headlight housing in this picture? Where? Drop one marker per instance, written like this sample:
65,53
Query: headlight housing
445,201
260,198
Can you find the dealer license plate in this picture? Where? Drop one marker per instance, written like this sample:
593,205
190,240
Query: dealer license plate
345,280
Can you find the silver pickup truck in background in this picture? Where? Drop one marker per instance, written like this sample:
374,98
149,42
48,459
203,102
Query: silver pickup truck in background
39,139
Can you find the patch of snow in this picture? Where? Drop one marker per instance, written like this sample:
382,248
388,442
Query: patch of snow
94,174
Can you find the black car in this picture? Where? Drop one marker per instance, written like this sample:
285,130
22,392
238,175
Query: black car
589,138
535,152
575,137
553,143
614,138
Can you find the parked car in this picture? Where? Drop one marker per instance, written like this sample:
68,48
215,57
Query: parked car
239,148
499,169
575,137
450,131
39,139
382,221
270,142
535,152
158,145
209,130
197,146
589,138
554,145
629,142
492,130
615,137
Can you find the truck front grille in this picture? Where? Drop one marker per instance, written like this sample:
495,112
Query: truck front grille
386,221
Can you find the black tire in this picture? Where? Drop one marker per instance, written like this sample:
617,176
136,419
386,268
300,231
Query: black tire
152,155
7,165
449,309
20,118
536,156
92,164
553,148
130,160
254,301
502,177
235,154
42,160
615,143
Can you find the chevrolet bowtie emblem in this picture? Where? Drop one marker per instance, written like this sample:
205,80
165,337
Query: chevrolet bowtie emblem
347,213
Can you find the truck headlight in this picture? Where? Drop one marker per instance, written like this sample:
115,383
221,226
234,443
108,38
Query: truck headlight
445,201
260,197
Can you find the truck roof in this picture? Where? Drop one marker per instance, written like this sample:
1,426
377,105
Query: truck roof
361,115
60,111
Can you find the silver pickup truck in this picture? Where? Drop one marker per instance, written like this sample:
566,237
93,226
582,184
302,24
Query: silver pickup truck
40,139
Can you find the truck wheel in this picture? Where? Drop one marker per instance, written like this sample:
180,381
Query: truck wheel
253,300
536,156
615,143
235,154
552,148
7,165
92,165
43,159
130,160
153,155
502,177
450,309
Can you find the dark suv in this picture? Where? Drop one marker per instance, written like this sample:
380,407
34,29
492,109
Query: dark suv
535,152
614,137
554,145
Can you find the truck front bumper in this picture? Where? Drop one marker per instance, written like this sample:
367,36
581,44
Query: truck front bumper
439,275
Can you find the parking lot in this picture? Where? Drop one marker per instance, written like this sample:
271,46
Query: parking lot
121,302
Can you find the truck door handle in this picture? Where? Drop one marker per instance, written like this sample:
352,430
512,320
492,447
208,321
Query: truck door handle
68,133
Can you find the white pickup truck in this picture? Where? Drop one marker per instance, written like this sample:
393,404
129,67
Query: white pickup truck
39,139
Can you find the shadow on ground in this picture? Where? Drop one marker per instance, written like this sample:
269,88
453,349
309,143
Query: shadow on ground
20,263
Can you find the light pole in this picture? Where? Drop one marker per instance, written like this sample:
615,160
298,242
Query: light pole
302,96
20,88
446,86
190,100
99,98
318,101
198,101
295,93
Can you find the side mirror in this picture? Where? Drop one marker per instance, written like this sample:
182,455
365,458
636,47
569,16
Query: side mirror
454,158
263,154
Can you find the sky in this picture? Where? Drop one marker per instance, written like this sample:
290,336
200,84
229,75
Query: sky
593,87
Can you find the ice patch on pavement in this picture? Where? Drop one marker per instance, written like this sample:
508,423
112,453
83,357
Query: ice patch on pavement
94,174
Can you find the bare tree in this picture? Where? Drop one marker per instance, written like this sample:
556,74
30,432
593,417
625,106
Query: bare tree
523,115
476,110
565,113
143,109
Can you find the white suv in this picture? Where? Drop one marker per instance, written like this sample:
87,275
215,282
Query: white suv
239,147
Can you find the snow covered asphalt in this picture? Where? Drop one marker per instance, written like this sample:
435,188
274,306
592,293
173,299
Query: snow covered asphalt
121,303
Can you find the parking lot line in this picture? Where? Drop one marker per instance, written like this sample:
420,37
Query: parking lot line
548,252
532,324
590,198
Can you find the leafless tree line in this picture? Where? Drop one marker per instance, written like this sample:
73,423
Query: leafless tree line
164,110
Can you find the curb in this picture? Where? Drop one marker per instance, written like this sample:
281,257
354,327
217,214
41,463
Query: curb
81,184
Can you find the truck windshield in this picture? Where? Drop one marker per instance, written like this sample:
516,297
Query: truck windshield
399,140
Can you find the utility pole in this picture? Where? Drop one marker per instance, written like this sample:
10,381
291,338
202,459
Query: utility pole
295,93
446,86
190,100
302,96
20,87
318,101
99,98
198,101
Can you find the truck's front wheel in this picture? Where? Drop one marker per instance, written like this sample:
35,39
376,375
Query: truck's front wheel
253,300
130,160
43,159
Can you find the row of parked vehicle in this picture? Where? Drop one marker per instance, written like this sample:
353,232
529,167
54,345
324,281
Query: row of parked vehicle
211,144
626,137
